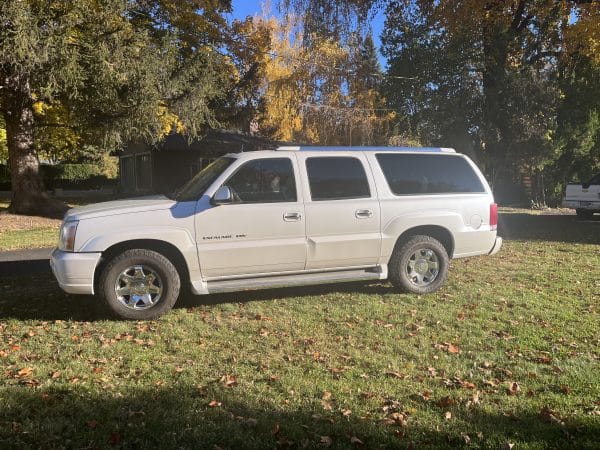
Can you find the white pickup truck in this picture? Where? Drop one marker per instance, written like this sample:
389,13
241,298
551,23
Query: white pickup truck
584,198
292,216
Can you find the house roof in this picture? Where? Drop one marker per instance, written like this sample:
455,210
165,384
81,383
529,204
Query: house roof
214,141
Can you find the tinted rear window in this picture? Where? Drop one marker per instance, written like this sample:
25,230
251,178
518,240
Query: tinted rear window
337,178
428,174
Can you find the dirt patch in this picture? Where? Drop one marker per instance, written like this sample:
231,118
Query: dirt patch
13,222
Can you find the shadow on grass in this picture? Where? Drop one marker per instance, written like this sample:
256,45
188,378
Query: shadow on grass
180,417
40,298
547,227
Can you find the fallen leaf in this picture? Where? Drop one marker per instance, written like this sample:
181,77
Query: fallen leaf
25,372
326,441
566,390
550,416
513,389
115,438
399,375
356,441
453,348
445,402
448,415
214,404
228,381
425,395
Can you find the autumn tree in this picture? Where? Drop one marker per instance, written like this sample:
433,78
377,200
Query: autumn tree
117,67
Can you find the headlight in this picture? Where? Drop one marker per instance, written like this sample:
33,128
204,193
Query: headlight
66,239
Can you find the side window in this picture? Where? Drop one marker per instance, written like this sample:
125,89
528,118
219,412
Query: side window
264,181
409,174
337,178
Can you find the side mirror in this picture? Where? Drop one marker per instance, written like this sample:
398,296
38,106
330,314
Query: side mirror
222,196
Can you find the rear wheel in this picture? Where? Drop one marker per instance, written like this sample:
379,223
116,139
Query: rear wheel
584,213
419,265
139,284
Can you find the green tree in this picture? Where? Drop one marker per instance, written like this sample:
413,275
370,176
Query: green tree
116,67
487,76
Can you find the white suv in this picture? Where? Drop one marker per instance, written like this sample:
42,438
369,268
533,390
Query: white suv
291,216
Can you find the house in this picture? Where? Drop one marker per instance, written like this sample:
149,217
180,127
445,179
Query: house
167,165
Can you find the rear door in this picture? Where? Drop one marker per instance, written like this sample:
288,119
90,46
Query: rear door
342,211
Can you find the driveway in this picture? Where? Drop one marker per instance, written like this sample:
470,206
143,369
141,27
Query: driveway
24,262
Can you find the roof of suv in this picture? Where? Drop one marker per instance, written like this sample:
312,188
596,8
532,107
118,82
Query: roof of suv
308,148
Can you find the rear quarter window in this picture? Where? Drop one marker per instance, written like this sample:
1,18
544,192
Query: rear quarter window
409,174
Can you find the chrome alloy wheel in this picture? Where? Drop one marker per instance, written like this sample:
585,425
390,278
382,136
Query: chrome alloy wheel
422,267
138,287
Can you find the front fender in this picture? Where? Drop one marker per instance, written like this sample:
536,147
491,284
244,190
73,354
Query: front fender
99,234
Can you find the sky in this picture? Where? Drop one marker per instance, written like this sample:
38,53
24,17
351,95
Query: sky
243,8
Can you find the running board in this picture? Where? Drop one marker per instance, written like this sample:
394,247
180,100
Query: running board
246,284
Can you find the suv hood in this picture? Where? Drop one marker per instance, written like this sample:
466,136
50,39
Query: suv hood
127,206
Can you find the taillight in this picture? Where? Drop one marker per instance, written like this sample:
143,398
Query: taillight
493,216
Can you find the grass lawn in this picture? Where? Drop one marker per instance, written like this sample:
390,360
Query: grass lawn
18,232
507,353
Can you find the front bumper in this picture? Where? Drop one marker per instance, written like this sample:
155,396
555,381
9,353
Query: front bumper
74,271
497,246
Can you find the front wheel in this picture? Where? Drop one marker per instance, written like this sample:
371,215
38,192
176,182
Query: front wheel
139,284
419,265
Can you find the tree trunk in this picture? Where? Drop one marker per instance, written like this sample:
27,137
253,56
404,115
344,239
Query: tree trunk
29,196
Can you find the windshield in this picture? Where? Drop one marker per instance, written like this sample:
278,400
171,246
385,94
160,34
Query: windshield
194,188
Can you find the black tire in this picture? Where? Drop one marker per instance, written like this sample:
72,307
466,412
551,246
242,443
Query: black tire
584,213
399,265
166,279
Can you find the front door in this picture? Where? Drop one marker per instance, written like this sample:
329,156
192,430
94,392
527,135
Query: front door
342,212
262,230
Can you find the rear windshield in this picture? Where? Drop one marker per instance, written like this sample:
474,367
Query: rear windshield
409,174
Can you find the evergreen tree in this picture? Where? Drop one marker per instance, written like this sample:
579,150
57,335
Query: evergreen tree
119,68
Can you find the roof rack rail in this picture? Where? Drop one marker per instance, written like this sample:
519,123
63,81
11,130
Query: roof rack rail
308,148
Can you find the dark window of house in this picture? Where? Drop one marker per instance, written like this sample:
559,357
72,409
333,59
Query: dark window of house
128,173
143,172
268,180
337,178
428,174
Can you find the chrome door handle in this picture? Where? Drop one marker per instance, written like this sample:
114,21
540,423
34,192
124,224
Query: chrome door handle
292,217
363,213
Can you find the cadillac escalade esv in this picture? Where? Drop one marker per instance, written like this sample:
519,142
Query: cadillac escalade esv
291,216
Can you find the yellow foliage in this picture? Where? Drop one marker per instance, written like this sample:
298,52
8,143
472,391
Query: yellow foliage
38,108
170,121
584,34
56,139
3,146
